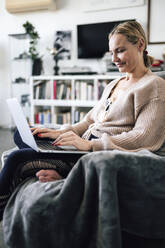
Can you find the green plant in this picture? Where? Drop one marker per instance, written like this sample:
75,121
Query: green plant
34,36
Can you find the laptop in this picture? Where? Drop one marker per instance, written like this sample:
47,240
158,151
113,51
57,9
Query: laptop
39,145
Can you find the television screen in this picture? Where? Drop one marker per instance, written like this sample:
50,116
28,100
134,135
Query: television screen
92,39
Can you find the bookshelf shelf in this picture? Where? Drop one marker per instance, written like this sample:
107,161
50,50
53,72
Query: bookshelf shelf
71,103
65,99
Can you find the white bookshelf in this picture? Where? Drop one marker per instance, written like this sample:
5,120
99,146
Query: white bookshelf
20,69
47,108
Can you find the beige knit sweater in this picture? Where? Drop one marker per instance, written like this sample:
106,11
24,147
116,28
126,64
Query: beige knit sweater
135,121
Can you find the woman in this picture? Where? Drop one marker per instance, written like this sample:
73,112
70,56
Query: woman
130,115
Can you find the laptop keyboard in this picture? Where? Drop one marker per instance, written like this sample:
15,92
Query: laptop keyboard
47,145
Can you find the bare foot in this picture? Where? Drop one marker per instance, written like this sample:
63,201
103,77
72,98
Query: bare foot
48,175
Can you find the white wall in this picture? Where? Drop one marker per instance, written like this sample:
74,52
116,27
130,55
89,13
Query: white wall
69,13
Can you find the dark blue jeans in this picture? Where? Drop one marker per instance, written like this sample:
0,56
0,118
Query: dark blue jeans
25,154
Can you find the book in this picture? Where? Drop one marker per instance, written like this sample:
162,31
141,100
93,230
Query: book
54,89
83,91
48,90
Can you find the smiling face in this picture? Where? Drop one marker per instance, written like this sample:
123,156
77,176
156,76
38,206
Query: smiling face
125,55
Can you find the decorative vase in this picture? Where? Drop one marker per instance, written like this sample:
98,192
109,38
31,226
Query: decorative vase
37,66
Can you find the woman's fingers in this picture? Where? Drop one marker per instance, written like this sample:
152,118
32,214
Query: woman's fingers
72,139
64,136
67,138
40,130
46,132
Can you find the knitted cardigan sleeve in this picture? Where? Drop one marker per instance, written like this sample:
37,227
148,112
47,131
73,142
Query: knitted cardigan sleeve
147,133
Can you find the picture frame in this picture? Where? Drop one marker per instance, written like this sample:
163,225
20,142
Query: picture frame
155,22
100,5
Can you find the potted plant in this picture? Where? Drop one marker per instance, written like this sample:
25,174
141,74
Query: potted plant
33,53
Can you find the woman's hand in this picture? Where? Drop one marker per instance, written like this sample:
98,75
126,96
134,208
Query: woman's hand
48,175
46,132
71,139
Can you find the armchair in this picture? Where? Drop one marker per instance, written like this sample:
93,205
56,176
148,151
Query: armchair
109,199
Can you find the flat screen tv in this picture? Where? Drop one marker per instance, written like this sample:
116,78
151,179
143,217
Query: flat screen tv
92,39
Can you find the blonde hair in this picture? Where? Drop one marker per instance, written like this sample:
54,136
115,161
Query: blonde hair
133,31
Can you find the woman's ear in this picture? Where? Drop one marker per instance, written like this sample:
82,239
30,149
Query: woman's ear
141,45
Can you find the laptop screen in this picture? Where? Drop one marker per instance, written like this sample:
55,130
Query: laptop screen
21,123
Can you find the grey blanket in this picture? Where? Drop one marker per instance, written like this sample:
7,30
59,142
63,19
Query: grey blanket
105,193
